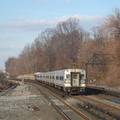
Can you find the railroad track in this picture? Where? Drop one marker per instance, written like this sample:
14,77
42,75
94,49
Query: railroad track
64,109
99,109
95,110
88,104
4,92
100,90
107,98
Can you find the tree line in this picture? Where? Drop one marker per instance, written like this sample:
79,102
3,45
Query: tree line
68,45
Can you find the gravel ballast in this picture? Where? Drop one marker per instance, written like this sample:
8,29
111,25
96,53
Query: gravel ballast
26,103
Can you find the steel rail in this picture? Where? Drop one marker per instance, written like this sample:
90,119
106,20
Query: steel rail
99,108
63,115
8,90
66,104
106,105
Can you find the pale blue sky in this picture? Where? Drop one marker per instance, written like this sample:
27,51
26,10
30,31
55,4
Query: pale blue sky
21,21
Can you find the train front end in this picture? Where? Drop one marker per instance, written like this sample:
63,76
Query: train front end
75,81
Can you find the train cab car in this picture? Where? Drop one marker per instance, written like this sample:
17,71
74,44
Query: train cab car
70,80
75,81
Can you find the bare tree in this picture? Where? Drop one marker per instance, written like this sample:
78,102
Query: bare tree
112,23
10,65
70,36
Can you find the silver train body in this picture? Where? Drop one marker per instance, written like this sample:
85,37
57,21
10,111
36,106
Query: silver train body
69,80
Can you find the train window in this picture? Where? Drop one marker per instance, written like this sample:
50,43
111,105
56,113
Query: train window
74,76
56,77
61,77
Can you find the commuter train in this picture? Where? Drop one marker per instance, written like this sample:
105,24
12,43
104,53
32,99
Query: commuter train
69,80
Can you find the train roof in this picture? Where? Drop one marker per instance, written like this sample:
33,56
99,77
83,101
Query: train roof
37,73
57,71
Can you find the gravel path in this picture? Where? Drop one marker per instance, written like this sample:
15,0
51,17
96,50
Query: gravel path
26,103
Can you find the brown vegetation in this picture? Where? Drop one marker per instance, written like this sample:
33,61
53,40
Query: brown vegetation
68,45
3,82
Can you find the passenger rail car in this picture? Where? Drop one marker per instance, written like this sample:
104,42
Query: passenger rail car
69,80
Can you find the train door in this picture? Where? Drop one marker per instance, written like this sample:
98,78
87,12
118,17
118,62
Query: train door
75,79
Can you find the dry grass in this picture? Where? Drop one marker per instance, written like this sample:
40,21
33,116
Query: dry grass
4,83
2,86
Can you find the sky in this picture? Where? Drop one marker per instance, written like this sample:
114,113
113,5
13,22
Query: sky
21,21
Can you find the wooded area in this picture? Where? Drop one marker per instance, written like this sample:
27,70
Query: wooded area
3,81
68,45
